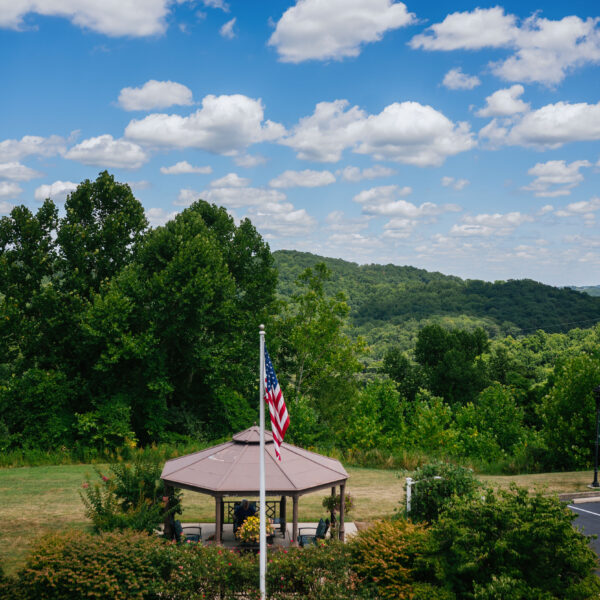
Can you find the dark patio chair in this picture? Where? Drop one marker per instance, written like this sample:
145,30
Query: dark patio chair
193,533
318,533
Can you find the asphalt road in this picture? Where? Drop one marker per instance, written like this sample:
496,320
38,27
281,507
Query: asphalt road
588,521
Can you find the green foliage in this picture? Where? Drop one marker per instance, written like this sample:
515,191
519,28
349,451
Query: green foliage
132,497
389,557
437,486
569,412
516,544
120,566
490,428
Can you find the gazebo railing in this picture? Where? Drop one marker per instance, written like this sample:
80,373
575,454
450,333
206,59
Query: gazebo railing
274,509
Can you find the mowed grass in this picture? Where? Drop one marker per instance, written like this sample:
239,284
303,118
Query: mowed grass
38,500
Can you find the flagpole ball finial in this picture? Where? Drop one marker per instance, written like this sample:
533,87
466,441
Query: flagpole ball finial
261,327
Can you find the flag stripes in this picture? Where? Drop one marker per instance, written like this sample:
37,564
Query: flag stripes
280,419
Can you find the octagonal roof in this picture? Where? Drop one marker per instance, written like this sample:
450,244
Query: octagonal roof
232,468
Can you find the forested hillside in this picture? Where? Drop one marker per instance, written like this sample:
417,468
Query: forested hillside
389,304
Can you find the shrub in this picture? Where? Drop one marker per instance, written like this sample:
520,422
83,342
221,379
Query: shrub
124,565
511,545
431,495
390,557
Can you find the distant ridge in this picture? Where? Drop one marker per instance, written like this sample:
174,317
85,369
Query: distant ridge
383,295
592,290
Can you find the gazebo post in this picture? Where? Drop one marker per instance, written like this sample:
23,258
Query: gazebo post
168,531
295,519
282,515
332,513
218,519
342,509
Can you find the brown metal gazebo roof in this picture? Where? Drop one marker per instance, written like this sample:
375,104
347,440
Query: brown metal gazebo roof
232,469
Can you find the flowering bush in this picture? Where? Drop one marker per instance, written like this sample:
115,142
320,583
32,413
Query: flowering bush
249,530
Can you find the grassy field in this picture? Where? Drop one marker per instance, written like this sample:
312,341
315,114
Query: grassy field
37,500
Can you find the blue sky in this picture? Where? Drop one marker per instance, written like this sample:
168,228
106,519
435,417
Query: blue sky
462,140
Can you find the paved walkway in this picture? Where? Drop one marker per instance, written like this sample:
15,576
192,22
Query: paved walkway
279,540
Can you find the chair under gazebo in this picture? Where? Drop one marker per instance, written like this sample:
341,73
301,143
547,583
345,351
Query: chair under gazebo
232,470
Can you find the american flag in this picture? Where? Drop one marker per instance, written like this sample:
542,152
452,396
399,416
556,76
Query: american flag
280,419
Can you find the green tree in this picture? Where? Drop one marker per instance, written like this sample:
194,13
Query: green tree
451,361
316,358
398,367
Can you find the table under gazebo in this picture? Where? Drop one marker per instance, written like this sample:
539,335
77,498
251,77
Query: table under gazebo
232,470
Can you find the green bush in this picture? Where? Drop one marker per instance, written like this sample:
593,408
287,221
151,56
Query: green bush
430,495
389,559
514,546
116,566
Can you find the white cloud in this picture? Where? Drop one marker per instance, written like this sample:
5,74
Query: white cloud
28,145
227,30
544,50
490,224
545,209
249,160
383,200
186,197
455,79
585,209
406,132
336,29
230,180
504,103
155,94
17,172
281,218
216,4
159,216
336,221
555,177
56,191
306,178
456,184
399,228
9,189
105,151
355,174
235,197
224,125
484,27
5,207
135,18
185,167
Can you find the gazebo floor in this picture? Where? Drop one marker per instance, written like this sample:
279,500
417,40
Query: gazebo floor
279,541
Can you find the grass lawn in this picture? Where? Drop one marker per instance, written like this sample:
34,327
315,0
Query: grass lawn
37,500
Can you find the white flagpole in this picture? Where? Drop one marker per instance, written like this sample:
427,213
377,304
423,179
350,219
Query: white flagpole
263,527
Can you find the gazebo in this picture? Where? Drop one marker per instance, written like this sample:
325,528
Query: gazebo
232,469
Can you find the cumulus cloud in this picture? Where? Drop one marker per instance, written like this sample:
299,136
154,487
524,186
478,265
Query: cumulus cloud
159,216
355,174
17,172
57,191
585,209
406,132
338,222
544,50
5,207
490,224
105,151
136,18
227,30
236,197
230,180
504,103
216,4
336,29
186,197
306,178
224,125
9,189
455,184
455,79
555,177
29,145
184,167
383,200
249,160
399,228
282,219
155,94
